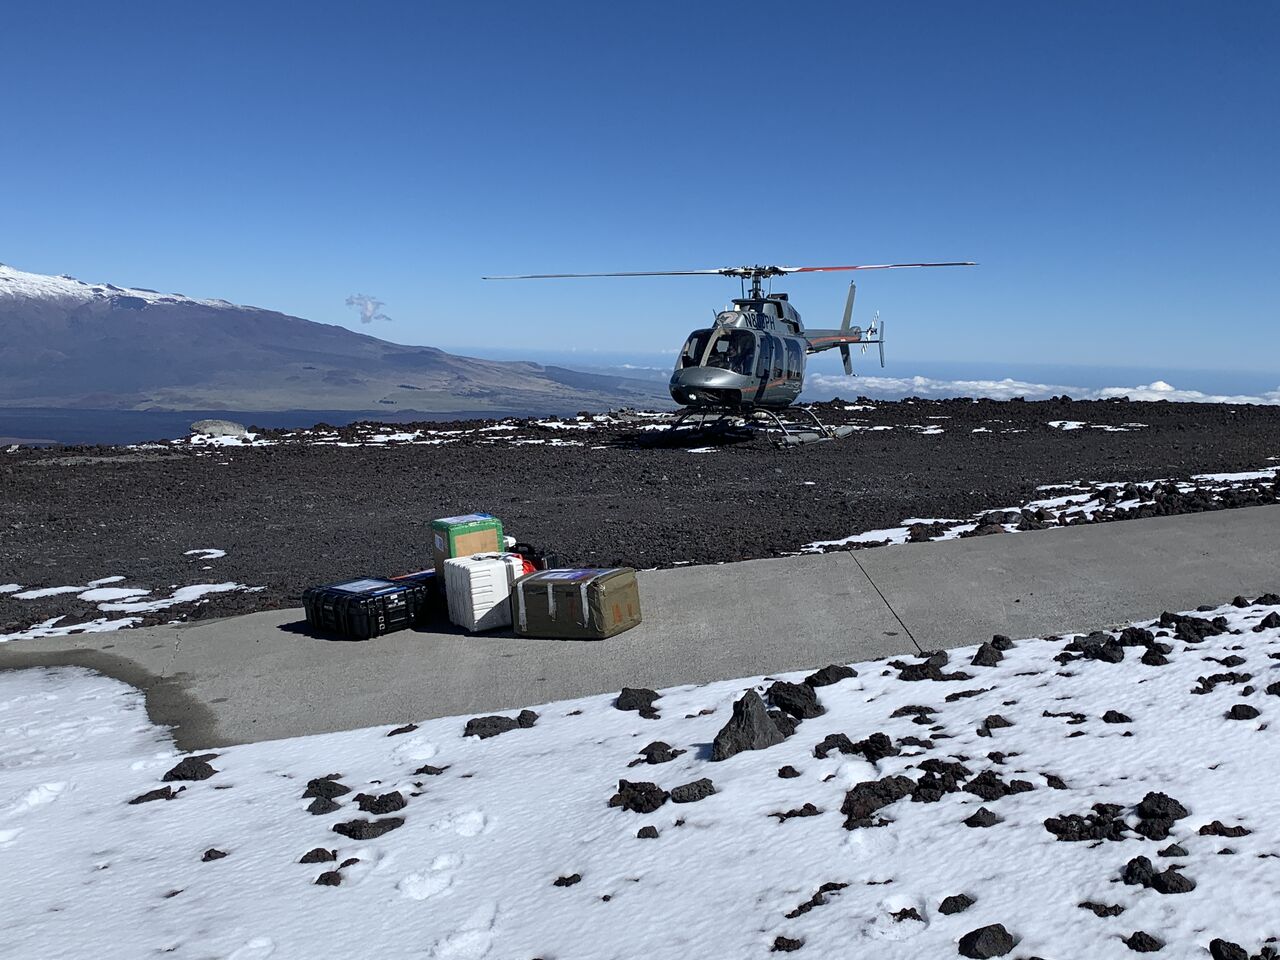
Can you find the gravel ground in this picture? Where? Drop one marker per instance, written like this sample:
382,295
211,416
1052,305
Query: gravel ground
305,509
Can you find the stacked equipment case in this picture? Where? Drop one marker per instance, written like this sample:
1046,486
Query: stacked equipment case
370,607
465,536
587,604
478,589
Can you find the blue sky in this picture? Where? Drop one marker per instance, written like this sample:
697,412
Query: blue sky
1112,166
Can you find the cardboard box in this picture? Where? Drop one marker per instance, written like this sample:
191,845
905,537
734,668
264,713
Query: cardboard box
464,536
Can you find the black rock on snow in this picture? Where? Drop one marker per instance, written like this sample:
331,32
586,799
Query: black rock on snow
213,853
326,787
368,829
647,833
383,804
1242,711
693,792
330,878
640,797
160,793
989,941
1142,942
788,772
871,795
656,752
192,768
832,673
485,727
640,699
1220,949
1104,823
956,903
982,817
1115,716
749,728
319,855
1140,872
988,655
797,699
785,945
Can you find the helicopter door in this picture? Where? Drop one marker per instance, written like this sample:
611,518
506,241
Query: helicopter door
764,365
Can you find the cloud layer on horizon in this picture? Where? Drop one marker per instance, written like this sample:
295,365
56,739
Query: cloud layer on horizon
824,386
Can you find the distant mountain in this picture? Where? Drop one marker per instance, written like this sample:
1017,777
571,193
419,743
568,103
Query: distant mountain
67,343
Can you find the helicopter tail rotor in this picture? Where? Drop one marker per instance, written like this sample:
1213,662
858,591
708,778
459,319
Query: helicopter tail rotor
844,328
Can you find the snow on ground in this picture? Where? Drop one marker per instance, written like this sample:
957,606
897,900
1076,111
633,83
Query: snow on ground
1081,502
115,599
1109,427
915,781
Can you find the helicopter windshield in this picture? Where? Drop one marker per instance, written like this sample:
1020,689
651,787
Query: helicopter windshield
733,350
694,347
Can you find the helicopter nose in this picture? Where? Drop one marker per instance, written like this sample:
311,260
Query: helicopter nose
705,377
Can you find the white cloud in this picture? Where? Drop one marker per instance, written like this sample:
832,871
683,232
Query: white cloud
818,385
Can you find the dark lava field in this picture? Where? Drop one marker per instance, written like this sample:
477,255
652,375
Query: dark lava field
306,509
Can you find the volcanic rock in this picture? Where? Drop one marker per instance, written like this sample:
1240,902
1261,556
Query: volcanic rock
641,797
379,805
833,673
1173,850
647,833
1220,949
1104,823
160,793
749,728
639,699
983,817
1242,711
568,881
322,805
330,878
1219,829
956,903
213,853
1142,942
785,722
407,728
785,945
989,786
429,771
326,787
319,855
817,900
788,772
1115,716
871,795
362,829
192,768
987,656
989,941
693,792
797,699
485,727
808,810
1102,909
656,752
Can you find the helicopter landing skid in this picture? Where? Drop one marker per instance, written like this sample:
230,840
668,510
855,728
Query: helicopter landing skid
781,433
784,434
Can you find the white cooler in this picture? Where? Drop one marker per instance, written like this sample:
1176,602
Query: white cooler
478,589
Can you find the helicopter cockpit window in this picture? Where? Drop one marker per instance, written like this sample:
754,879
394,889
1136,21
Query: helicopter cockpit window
733,350
694,347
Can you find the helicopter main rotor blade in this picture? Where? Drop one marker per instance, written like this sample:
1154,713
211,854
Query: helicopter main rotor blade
636,273
874,266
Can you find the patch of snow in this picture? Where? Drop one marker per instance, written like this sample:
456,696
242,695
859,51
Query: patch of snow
50,628
101,594
188,594
10,587
45,592
471,871
205,553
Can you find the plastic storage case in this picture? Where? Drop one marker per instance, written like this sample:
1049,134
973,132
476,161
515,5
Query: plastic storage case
589,604
368,607
479,589
465,536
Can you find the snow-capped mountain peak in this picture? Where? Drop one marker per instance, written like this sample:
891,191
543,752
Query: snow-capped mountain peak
19,284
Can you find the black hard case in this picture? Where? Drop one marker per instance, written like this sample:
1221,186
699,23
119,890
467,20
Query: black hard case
361,609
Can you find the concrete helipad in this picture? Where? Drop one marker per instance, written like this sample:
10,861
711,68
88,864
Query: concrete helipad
263,676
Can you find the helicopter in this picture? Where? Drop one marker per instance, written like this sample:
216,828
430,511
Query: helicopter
749,365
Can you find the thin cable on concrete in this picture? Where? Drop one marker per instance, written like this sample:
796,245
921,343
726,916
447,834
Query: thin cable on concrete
888,604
